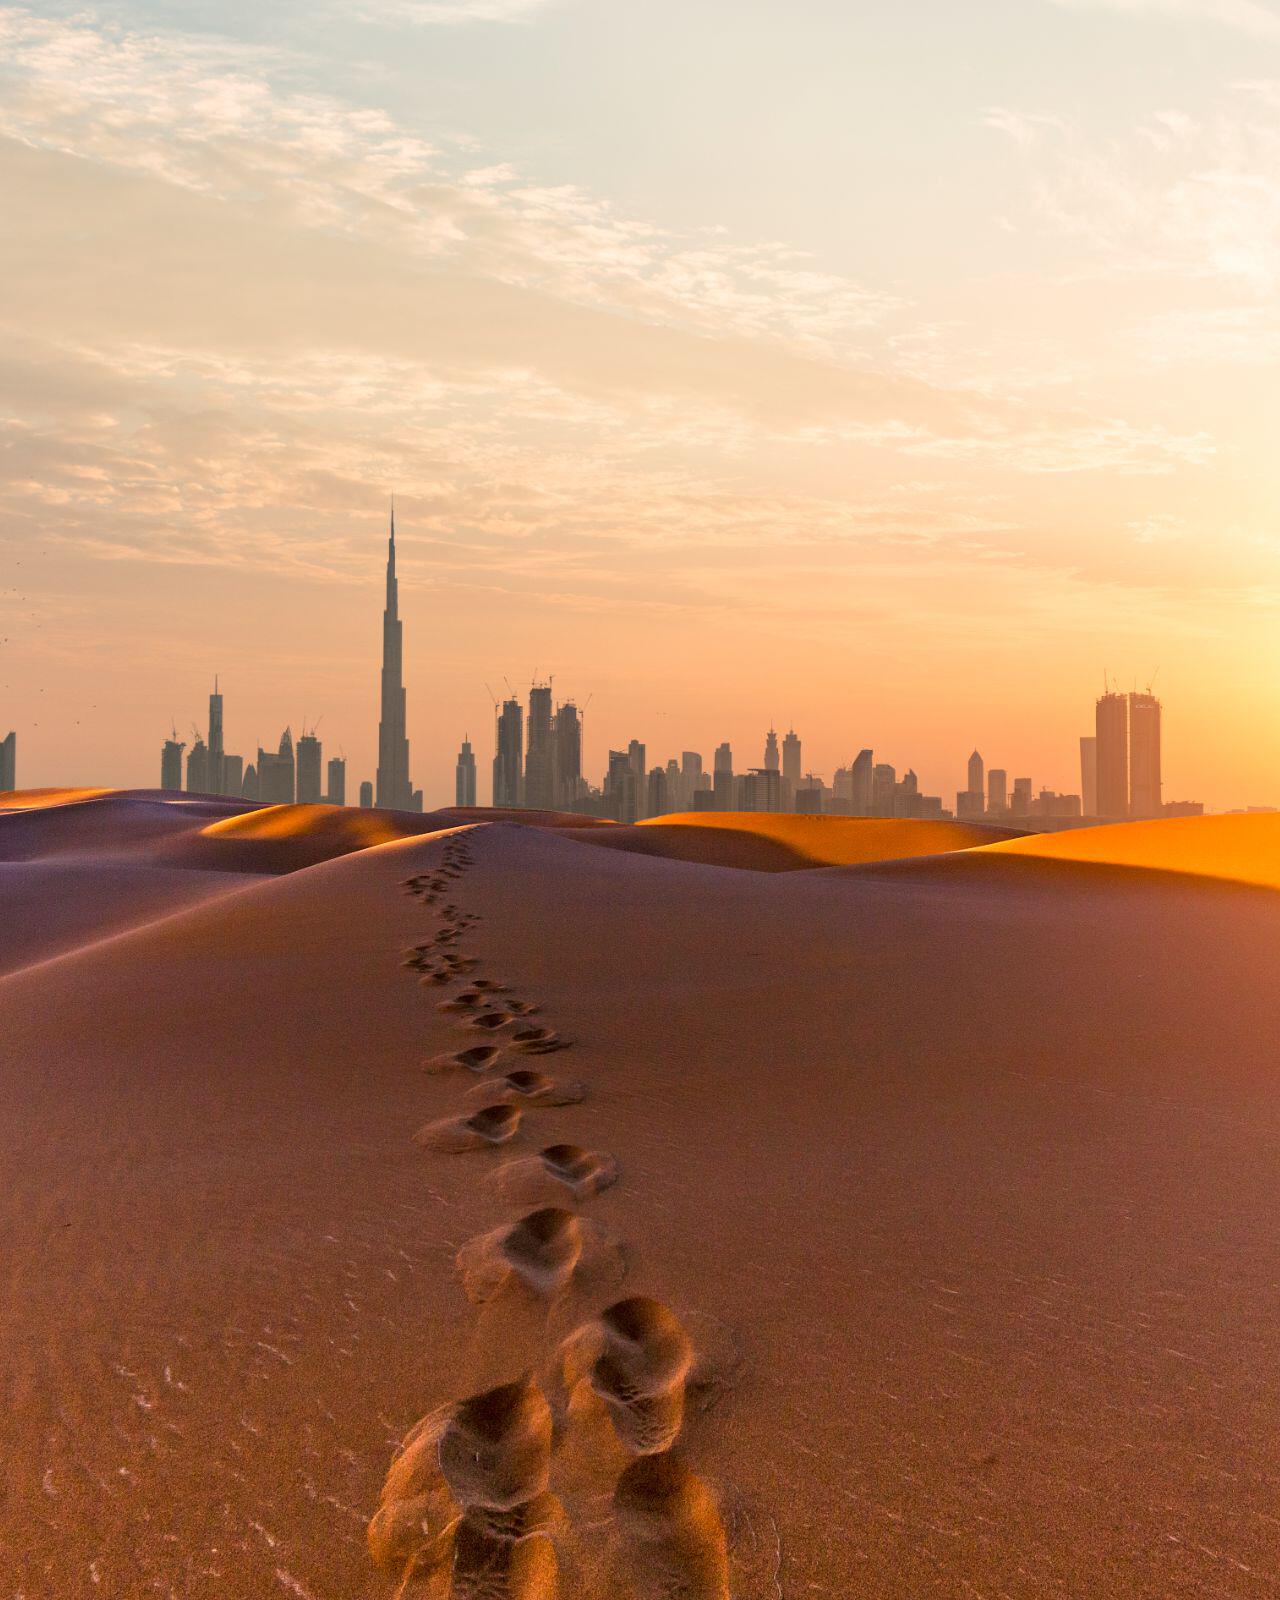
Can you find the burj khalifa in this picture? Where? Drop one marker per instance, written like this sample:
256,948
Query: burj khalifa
394,789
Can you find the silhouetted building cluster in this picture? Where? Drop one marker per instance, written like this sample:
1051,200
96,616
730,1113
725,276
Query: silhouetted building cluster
545,774
293,773
1121,763
281,776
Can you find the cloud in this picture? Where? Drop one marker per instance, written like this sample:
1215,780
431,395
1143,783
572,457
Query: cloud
1253,17
224,121
1174,196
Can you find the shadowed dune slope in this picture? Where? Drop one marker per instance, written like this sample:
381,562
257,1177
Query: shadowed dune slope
776,842
114,824
968,1184
48,908
82,865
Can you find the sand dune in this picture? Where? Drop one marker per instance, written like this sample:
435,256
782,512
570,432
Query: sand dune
764,842
1241,849
913,1233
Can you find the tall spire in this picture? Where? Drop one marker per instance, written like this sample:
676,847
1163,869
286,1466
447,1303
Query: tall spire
394,788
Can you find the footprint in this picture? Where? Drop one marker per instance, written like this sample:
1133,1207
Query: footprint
479,1058
495,1447
583,1172
525,1087
466,1000
493,1125
538,1041
542,1253
558,1171
634,1358
670,1538
465,1509
523,1008
490,1021
491,985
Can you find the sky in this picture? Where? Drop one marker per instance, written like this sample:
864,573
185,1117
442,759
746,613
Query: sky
892,372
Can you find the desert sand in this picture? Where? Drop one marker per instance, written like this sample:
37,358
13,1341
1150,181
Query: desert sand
817,1207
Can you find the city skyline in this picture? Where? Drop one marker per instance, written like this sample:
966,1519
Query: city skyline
538,763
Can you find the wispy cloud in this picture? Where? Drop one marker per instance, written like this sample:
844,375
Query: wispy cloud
215,119
1197,198
1254,17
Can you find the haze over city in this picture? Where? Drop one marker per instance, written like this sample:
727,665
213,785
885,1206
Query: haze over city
672,334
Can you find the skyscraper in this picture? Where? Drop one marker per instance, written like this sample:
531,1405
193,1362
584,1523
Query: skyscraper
997,790
308,786
366,794
539,763
862,783
691,779
977,784
232,774
722,778
771,762
568,756
622,787
276,775
884,782
394,788
791,761
170,764
198,768
1112,747
1145,786
9,763
336,788
214,758
464,778
508,760
636,755
1089,775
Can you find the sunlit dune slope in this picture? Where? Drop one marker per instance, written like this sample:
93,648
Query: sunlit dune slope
1240,849
38,799
774,842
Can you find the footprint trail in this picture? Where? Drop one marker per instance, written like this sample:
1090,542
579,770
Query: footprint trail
570,1479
